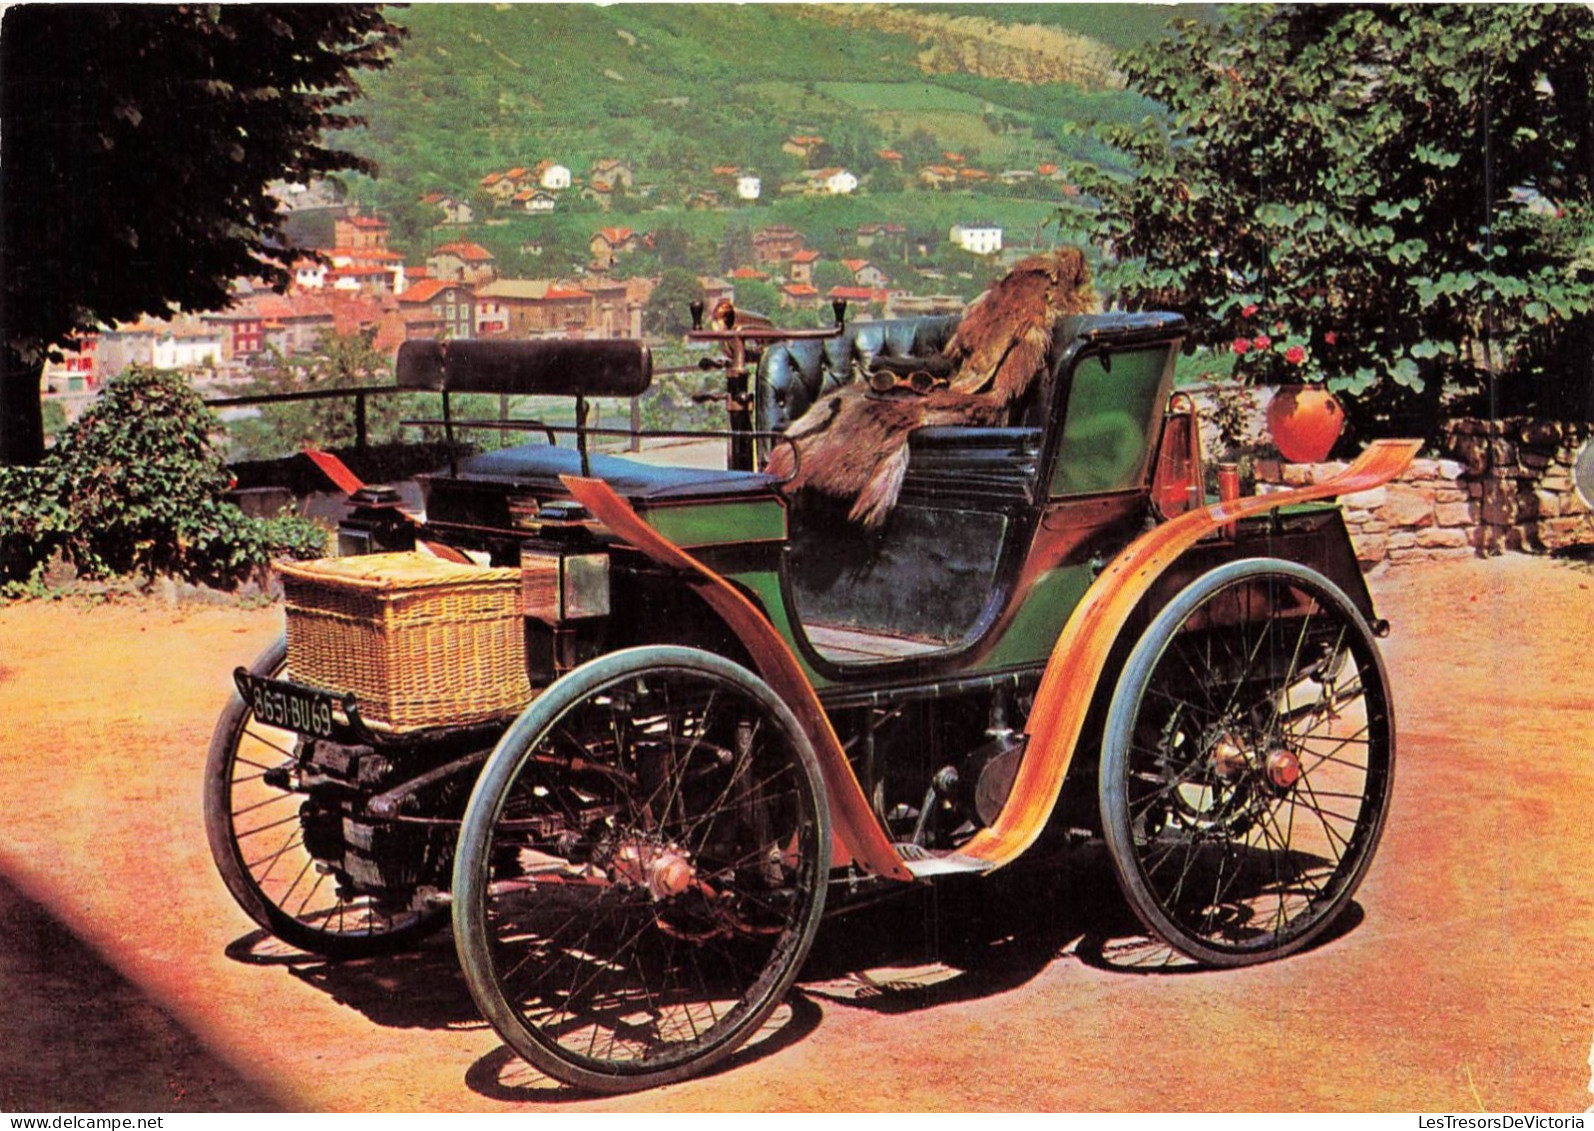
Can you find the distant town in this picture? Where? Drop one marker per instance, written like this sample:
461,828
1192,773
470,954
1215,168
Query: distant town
351,281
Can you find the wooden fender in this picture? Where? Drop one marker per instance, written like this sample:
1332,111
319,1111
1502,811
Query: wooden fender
1067,685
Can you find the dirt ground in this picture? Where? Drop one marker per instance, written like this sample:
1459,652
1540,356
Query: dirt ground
1461,981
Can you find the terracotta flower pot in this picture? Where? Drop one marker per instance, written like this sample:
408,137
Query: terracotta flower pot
1304,421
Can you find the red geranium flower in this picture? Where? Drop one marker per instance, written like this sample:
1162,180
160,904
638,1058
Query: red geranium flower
1241,345
1330,338
1248,311
1262,341
1295,355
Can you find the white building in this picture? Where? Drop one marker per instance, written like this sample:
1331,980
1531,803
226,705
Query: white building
748,187
309,275
839,182
980,239
555,177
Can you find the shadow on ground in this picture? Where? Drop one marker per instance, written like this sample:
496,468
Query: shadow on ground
960,939
79,1036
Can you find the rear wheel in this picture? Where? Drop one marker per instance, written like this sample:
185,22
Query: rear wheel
1247,763
257,823
642,869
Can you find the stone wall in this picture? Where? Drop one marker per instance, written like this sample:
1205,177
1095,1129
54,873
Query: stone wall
1519,474
1507,485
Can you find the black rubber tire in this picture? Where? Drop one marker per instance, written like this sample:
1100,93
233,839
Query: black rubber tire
640,762
265,866
1240,811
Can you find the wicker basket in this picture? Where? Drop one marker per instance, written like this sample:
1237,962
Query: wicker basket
421,642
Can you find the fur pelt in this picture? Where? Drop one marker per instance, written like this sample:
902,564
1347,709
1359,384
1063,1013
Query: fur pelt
854,445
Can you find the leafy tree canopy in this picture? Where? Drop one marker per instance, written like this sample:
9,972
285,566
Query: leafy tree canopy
668,310
139,144
1393,197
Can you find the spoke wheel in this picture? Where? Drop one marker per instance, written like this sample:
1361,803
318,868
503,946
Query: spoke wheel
1247,763
642,869
257,821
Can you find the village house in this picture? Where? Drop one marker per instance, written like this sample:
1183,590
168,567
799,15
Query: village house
802,145
534,200
798,296
454,210
836,182
451,303
361,261
533,308
608,244
937,176
860,300
749,187
801,269
77,371
309,274
870,234
242,329
600,192
462,262
614,172
866,274
978,238
552,176
617,306
184,343
293,323
499,188
776,244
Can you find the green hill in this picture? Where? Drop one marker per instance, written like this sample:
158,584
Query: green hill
677,89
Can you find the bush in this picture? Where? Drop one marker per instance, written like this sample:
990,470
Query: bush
135,486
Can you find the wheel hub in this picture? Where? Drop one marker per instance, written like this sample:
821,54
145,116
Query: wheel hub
1229,759
661,869
1283,768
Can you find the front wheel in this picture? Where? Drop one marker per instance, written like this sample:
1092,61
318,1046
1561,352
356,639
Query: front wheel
1247,763
642,869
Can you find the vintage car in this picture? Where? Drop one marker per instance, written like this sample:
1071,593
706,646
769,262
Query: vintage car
634,729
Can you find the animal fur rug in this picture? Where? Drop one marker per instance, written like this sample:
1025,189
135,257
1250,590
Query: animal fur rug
853,443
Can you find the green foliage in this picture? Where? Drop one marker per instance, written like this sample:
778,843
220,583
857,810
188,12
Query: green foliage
54,418
176,122
135,486
757,297
1340,179
669,306
339,361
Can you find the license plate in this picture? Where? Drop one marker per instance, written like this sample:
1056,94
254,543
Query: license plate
316,714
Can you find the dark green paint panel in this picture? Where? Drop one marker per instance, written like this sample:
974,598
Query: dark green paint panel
711,524
1114,412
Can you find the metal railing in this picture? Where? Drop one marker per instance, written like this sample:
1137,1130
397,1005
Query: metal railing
359,394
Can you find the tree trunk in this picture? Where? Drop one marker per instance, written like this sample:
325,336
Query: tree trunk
21,413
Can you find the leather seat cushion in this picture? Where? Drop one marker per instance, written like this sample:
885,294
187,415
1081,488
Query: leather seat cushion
793,375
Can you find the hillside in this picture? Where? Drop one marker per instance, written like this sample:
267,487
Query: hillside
678,89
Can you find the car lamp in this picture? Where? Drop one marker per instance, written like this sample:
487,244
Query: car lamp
558,584
375,525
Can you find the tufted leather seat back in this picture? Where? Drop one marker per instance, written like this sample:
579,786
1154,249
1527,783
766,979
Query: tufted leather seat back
793,375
